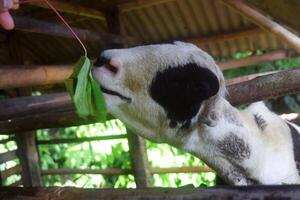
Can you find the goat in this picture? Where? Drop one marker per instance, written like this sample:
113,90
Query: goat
175,93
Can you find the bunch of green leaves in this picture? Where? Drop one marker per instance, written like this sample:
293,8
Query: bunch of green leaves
85,92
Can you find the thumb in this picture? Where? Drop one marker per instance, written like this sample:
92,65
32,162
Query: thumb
6,20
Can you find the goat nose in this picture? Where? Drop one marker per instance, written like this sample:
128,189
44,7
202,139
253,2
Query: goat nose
101,61
109,64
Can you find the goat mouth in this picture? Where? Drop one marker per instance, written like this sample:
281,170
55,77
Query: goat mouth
114,93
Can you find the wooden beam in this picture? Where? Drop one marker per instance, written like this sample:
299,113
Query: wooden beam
23,106
31,25
201,193
14,76
260,88
80,140
139,160
264,22
74,9
29,160
253,31
139,4
116,171
33,75
281,10
265,87
253,60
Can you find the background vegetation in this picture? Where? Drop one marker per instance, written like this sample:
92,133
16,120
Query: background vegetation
114,153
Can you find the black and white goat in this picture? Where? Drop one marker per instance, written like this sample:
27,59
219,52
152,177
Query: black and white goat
175,93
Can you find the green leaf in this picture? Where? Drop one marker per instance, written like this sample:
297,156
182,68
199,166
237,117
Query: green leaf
85,92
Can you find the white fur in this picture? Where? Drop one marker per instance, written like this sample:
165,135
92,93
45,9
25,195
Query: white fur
271,160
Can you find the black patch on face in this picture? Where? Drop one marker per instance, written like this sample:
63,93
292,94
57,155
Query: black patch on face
234,148
296,145
261,123
180,90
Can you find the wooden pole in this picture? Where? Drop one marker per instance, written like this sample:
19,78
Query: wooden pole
115,171
27,150
265,23
19,76
259,88
31,25
28,155
139,159
253,60
291,192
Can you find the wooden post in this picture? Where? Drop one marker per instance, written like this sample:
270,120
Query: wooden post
136,144
28,155
27,150
139,160
265,22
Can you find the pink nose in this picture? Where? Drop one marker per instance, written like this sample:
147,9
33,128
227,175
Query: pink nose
110,64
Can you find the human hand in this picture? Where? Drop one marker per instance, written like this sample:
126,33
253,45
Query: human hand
6,21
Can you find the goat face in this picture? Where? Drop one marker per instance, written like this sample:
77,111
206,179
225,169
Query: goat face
158,87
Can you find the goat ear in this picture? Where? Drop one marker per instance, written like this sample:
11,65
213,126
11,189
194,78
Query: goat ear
180,90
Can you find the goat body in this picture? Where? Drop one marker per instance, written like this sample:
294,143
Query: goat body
175,93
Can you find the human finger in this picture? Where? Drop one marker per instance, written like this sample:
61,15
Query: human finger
6,20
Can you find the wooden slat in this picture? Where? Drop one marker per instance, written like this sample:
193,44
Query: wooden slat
115,171
73,8
107,172
291,192
11,171
265,23
80,140
134,5
253,60
184,169
8,156
254,31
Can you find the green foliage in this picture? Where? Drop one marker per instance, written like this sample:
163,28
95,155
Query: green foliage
85,92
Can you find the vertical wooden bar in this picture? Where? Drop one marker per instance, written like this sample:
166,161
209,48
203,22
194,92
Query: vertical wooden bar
26,142
28,155
139,160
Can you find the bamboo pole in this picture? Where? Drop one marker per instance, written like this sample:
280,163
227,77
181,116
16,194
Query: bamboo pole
264,22
116,171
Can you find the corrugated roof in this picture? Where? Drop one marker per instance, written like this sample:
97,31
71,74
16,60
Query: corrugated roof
172,20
